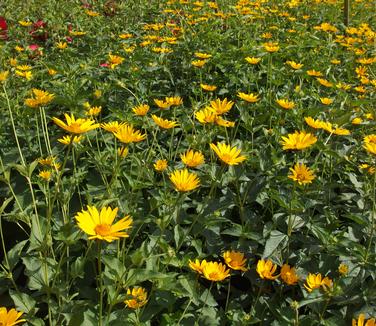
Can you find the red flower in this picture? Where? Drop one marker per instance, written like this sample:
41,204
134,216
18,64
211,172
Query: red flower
3,29
39,31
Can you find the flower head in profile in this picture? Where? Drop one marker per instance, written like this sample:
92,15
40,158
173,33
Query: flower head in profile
343,269
70,139
76,126
324,82
174,100
137,297
215,272
164,123
326,100
266,269
160,165
235,260
11,317
41,98
206,115
250,98
201,55
192,159
288,275
184,180
294,65
285,104
208,88
271,47
4,75
316,124
198,63
122,151
253,60
223,122
112,126
369,143
127,134
197,265
314,73
163,105
220,107
316,281
45,175
141,110
227,154
301,174
298,140
99,225
362,319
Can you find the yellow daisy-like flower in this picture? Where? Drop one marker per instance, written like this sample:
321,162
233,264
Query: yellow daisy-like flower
115,60
127,134
201,55
98,225
125,36
62,45
301,174
316,281
197,265
220,107
52,72
357,121
93,111
3,76
76,126
250,98
326,100
24,67
316,124
224,123
192,159
206,115
227,154
25,74
66,140
298,140
141,110
235,260
122,152
11,317
370,148
138,298
324,82
184,180
285,104
253,60
41,98
215,272
271,47
343,269
162,104
288,275
45,174
164,123
25,23
77,33
314,73
266,269
370,138
361,320
174,100
112,126
160,165
341,132
208,88
294,65
198,63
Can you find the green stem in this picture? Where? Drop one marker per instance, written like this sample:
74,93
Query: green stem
100,283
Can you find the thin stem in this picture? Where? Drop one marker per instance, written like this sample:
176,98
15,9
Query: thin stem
228,294
100,281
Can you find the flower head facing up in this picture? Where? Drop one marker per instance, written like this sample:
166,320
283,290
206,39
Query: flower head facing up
4,75
316,281
127,134
266,269
160,165
235,260
138,297
250,98
215,272
288,275
164,123
11,317
99,225
114,60
197,265
184,180
192,159
76,126
343,269
301,174
227,154
41,98
361,320
285,104
298,140
369,143
220,107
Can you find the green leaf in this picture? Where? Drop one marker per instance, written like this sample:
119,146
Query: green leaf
275,241
22,301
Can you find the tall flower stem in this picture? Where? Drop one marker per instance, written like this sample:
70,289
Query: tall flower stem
100,283
373,216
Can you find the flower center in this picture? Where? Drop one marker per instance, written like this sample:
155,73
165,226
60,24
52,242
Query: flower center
103,229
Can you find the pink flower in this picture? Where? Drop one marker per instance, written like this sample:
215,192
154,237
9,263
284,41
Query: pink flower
3,29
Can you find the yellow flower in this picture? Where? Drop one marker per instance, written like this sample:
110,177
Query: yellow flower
93,110
220,107
202,55
125,36
253,60
112,126
51,72
288,275
227,154
324,82
235,260
160,165
370,147
164,123
192,159
41,98
271,47
98,225
77,33
314,73
25,74
198,63
341,131
294,65
206,115
141,110
298,140
184,180
13,62
286,104
19,48
11,317
91,13
127,134
266,269
316,124
4,76
138,297
24,67
197,265
174,100
208,88
24,23
66,140
122,152
326,100
316,281
97,93
335,61
343,269
62,45
215,272
45,174
357,121
49,160
301,174
162,104
361,319
224,123
76,126
115,60
251,98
